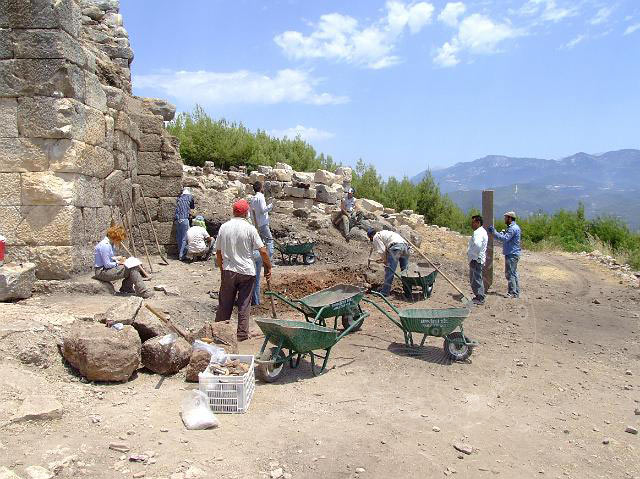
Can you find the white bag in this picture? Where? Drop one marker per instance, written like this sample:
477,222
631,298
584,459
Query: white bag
196,413
218,355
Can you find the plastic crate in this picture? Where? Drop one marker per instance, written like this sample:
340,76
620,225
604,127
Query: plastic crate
230,394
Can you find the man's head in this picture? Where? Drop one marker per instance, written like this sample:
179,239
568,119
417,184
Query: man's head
257,187
199,221
116,234
371,232
476,221
509,217
240,208
350,193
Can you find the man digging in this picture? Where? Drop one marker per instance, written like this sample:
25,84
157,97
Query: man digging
391,249
236,241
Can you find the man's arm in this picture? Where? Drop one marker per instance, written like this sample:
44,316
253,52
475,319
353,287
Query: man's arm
266,262
506,236
219,259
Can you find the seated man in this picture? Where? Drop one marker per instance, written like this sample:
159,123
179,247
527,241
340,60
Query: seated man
199,242
347,217
391,249
109,267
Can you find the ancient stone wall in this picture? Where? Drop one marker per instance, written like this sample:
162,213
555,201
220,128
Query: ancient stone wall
73,139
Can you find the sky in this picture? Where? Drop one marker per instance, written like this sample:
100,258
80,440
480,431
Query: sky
404,85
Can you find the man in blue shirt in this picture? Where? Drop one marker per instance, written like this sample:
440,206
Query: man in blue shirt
510,239
109,267
184,205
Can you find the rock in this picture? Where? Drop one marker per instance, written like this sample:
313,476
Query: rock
358,234
160,107
637,411
302,177
165,354
193,473
276,473
38,472
209,167
197,364
280,174
595,301
346,173
16,281
301,213
123,312
38,408
631,430
628,372
168,290
463,448
102,354
148,325
7,473
119,447
294,192
285,207
264,169
435,429
407,233
318,221
325,177
360,470
370,205
223,333
606,440
284,166
326,194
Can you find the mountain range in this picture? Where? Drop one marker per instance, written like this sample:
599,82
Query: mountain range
606,183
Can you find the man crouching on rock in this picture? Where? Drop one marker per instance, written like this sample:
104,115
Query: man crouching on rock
109,267
236,241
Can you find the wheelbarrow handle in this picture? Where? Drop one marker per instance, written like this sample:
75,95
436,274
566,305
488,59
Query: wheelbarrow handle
379,308
290,302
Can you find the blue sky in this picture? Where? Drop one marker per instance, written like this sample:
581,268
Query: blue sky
405,85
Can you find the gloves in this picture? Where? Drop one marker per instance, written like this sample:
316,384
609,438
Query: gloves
491,229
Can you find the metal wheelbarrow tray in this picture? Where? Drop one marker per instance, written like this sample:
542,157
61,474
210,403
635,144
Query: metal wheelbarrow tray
423,283
299,338
441,323
341,300
293,251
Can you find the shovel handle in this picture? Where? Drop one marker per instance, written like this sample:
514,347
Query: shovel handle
273,303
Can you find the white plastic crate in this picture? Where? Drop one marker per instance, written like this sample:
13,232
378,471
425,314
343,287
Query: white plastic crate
230,394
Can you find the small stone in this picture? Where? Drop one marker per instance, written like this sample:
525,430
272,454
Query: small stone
435,429
637,411
606,440
631,430
628,372
595,301
276,473
119,446
193,473
164,429
38,472
360,470
463,448
287,475
140,474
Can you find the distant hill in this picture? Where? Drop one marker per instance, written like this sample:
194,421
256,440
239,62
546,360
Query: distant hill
608,183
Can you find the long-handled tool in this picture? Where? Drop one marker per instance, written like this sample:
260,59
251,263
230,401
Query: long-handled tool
167,321
125,223
273,304
137,223
153,228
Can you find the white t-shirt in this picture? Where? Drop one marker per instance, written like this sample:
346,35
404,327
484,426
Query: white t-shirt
196,239
260,209
237,239
477,250
384,239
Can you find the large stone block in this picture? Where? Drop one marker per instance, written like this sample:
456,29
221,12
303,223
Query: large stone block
109,132
6,43
149,162
294,192
16,281
56,262
22,154
71,156
8,118
326,177
95,97
171,167
284,166
326,194
150,142
49,188
166,209
10,218
166,233
156,186
160,107
48,44
370,205
302,177
46,14
346,173
54,77
150,124
280,174
50,225
113,185
9,189
115,97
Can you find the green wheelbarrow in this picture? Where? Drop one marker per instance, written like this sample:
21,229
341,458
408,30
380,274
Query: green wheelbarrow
417,285
293,251
441,323
292,341
339,301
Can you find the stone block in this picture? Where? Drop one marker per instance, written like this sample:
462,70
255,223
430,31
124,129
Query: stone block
388,211
166,233
123,122
326,194
302,203
50,225
171,167
120,161
49,188
370,205
16,281
71,156
109,132
283,207
319,221
22,154
302,177
280,174
56,262
150,124
149,162
112,187
325,177
284,166
6,43
160,107
46,14
156,186
10,218
95,97
115,97
123,142
48,44
150,142
346,173
166,209
273,188
294,192
256,176
264,169
8,118
9,189
54,77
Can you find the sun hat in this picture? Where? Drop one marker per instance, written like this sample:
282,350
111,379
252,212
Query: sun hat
512,214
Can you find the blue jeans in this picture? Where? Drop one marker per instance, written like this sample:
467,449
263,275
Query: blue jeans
511,273
475,278
181,237
397,253
265,234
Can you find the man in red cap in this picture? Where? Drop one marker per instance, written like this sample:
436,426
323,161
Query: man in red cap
235,244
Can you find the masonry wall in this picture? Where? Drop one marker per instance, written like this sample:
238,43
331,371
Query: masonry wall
73,139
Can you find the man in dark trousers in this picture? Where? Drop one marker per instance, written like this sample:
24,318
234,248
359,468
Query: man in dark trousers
184,205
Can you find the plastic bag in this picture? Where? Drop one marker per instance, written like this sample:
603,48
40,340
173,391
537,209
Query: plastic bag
196,413
168,339
218,354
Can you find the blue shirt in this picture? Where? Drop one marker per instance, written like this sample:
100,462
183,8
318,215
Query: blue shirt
104,254
183,205
510,239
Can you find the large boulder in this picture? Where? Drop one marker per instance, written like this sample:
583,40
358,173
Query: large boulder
198,363
160,107
17,281
284,166
102,354
222,333
370,205
148,325
166,354
123,312
346,173
326,177
327,194
302,177
280,174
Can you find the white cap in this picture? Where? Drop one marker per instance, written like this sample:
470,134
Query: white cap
186,190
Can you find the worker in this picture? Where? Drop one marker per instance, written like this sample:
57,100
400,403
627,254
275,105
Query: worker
476,255
199,241
511,249
391,249
184,205
109,267
346,218
236,241
260,217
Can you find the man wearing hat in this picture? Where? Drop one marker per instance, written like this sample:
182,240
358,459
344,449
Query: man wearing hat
184,205
391,249
343,219
235,244
199,242
510,239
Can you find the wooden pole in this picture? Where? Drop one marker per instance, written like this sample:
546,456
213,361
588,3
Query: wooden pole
273,304
153,229
125,223
487,216
144,243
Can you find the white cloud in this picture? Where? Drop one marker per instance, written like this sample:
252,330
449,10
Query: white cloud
548,10
602,15
304,132
214,88
571,44
450,13
340,37
632,28
477,34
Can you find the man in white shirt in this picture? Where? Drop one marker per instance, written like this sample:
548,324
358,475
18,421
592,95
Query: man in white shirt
260,217
477,254
235,244
199,242
391,249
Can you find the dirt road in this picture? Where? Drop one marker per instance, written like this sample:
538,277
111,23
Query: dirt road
548,393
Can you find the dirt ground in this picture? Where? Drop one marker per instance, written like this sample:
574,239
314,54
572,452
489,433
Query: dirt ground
547,393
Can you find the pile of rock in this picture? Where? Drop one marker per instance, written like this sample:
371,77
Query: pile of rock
623,270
